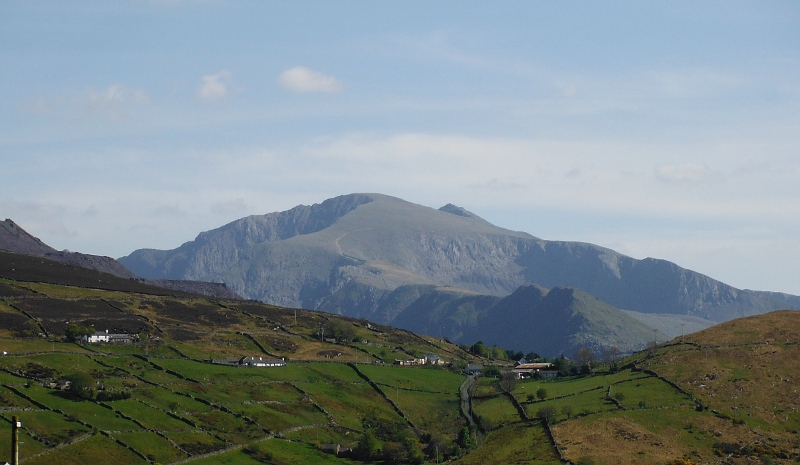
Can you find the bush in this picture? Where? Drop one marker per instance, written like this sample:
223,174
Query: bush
465,440
74,332
368,446
81,386
109,396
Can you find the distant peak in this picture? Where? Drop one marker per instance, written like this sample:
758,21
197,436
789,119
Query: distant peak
455,210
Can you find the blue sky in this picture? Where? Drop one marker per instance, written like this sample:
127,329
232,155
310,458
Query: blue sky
663,129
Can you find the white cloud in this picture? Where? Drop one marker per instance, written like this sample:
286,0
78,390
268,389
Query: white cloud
214,86
303,80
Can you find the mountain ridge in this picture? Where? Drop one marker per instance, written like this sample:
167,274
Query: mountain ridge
15,239
383,242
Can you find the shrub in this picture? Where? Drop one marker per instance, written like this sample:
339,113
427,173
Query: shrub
368,446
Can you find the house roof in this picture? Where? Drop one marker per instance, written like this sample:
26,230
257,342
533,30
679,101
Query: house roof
533,366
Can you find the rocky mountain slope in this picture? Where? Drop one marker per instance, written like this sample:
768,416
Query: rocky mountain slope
444,272
367,245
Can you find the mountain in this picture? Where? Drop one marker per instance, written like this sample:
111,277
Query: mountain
15,239
560,320
394,262
550,322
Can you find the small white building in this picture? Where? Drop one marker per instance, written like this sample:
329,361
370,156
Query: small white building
433,359
262,362
105,336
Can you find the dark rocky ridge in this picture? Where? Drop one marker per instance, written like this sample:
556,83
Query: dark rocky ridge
15,239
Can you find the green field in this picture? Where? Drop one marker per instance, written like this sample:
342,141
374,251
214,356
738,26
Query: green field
160,400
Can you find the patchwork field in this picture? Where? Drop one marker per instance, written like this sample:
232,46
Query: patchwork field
725,395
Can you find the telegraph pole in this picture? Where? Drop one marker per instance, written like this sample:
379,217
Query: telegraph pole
15,426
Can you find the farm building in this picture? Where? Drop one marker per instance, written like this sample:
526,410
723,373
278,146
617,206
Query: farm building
535,370
261,362
111,338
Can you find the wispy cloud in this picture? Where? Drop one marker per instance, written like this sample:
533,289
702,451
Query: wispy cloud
214,86
116,94
684,172
304,80
113,102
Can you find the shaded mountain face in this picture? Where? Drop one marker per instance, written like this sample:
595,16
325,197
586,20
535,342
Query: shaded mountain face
15,239
560,321
349,253
549,322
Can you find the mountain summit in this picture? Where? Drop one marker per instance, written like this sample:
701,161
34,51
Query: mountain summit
351,254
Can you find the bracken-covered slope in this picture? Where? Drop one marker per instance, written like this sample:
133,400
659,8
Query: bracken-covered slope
348,253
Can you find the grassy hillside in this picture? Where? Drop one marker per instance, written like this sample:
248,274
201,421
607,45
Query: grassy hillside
724,395
161,400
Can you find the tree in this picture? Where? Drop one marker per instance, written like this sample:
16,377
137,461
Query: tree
561,364
439,446
413,451
492,371
73,332
81,385
342,331
368,446
567,411
465,440
541,393
480,349
584,356
612,354
508,381
547,413
498,353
